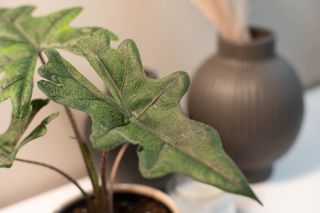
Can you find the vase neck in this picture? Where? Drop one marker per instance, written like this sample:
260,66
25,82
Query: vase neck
261,47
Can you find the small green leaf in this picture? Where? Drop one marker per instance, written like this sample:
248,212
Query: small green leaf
10,141
22,38
141,111
39,131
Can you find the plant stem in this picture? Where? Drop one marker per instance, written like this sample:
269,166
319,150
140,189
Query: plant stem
92,175
73,124
113,175
68,177
91,170
85,153
103,167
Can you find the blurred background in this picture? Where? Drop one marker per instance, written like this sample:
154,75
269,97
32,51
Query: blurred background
171,36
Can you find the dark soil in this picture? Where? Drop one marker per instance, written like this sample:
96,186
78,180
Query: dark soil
124,203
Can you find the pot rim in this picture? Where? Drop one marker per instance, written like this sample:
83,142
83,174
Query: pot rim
135,189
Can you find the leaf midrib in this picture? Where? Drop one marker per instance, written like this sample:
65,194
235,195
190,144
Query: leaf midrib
166,141
24,80
114,85
149,105
133,118
20,77
24,35
8,39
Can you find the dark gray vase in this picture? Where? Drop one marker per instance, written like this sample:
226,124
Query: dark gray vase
253,98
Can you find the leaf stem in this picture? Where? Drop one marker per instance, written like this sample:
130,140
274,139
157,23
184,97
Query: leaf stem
67,176
85,153
41,58
113,175
103,168
73,124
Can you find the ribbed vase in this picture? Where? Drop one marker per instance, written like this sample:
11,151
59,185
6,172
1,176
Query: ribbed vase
253,97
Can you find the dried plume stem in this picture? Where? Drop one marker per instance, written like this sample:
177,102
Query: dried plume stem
240,28
229,16
219,13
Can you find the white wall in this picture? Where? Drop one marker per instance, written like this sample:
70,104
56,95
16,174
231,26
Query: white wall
171,35
297,27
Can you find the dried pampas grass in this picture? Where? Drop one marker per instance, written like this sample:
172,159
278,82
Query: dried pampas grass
229,16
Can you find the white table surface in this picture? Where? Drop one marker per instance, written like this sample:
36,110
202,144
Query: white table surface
294,186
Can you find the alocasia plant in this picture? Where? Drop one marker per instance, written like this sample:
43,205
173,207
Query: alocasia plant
139,110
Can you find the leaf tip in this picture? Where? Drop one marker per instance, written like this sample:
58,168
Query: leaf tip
253,196
27,9
100,37
257,200
52,117
184,79
39,103
77,9
72,12
51,53
6,165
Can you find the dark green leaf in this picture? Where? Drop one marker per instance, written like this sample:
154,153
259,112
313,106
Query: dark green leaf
142,111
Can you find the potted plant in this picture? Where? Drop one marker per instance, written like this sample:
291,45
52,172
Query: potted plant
139,110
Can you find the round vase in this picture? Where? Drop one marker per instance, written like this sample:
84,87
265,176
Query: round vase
254,99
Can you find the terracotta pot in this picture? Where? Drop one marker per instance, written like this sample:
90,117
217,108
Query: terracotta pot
135,189
253,97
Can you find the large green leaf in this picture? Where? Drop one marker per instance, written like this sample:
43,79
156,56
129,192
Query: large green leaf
10,141
141,111
22,38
